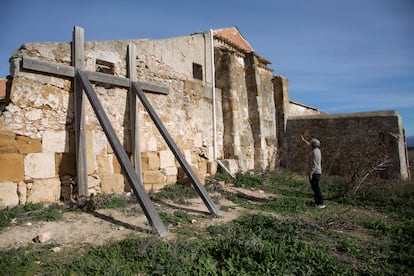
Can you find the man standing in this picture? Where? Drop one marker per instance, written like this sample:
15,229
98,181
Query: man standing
315,170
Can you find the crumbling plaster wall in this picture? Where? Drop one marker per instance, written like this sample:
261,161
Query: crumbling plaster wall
41,110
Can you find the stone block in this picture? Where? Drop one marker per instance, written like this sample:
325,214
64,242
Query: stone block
231,165
212,167
65,164
187,155
28,145
43,190
100,142
155,187
5,134
167,159
171,171
39,165
150,161
148,187
171,179
8,145
104,164
22,192
12,167
151,144
8,195
94,184
112,183
116,165
183,178
90,157
153,177
202,167
55,141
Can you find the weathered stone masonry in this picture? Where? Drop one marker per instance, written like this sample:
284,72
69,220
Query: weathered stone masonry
41,110
350,142
256,127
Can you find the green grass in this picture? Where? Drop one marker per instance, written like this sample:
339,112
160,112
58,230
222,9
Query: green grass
177,193
285,235
30,212
176,218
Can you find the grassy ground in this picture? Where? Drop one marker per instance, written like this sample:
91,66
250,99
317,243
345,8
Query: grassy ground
370,234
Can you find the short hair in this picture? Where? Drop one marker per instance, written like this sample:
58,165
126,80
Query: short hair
315,143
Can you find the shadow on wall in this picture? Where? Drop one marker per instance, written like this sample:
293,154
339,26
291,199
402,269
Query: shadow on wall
5,86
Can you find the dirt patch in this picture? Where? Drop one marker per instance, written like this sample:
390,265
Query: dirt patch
79,229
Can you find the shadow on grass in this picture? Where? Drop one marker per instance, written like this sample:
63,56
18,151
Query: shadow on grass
123,224
179,207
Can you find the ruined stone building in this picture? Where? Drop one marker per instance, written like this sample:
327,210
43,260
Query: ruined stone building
223,103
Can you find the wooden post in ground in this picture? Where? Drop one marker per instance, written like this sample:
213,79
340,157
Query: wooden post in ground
80,130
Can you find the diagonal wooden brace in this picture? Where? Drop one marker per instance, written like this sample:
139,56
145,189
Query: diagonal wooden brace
178,155
130,173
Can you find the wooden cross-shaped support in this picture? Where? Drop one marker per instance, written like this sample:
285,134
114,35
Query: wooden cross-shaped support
82,82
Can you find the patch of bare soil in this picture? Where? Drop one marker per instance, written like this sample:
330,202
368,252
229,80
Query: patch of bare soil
79,229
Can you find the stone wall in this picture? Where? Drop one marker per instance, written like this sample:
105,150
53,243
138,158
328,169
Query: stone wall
248,108
261,113
298,109
256,127
41,111
23,163
349,142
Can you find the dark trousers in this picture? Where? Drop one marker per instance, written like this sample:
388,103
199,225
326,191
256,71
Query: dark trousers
316,178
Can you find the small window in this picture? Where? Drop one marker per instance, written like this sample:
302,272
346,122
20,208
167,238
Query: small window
197,71
106,67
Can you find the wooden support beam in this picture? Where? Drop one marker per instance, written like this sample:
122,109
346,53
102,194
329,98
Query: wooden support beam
177,153
133,111
134,180
80,128
69,71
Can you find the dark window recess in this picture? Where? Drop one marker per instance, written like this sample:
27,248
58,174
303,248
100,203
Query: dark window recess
105,67
197,71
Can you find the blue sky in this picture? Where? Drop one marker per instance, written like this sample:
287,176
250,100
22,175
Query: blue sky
339,56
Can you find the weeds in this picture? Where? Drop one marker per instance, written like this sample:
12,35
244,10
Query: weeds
177,193
30,211
280,236
176,218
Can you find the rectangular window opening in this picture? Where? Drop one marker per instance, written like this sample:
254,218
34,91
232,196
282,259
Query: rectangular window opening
106,67
197,71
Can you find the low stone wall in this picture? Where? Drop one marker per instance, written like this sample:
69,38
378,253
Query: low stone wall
350,142
27,174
